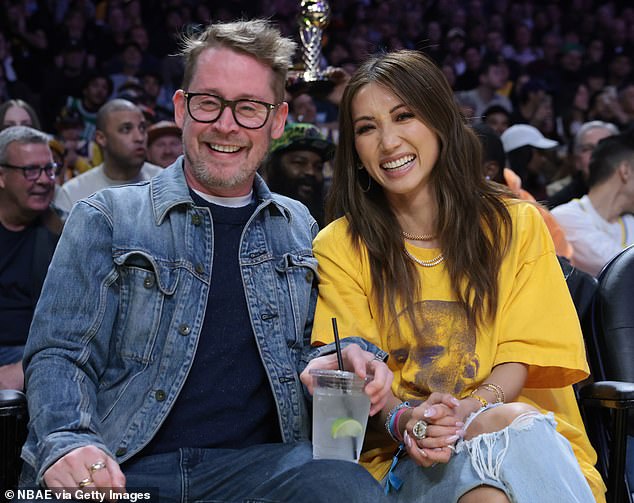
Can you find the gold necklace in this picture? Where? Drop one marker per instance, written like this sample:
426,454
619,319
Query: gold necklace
425,263
417,237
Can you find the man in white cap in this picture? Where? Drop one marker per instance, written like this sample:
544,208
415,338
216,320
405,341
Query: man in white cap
164,143
526,147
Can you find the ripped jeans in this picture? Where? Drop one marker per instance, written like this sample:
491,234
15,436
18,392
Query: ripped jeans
528,460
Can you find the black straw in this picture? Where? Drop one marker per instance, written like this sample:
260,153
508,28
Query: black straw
337,343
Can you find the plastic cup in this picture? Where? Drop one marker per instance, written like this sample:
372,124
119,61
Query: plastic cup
340,415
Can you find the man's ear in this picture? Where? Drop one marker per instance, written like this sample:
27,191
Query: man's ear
100,138
179,108
279,120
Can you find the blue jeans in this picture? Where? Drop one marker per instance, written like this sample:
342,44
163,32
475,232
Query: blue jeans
630,462
528,460
262,473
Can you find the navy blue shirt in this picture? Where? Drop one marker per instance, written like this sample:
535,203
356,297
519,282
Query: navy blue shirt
226,401
16,289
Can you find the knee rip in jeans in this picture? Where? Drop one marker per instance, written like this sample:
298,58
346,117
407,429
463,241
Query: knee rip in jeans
481,448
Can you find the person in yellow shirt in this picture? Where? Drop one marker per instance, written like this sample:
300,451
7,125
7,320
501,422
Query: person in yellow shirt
459,283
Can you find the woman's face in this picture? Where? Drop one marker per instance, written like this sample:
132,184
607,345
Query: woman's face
17,116
396,148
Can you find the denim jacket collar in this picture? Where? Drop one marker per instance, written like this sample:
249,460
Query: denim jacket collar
169,189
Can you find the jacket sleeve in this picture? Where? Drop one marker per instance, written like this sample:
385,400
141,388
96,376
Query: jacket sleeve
69,341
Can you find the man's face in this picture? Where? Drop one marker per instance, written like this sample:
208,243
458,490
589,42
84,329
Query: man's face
96,93
28,198
301,175
221,158
124,138
583,151
165,150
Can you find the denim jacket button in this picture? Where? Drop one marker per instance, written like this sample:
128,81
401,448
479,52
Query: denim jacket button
196,220
160,395
184,329
121,451
199,268
148,282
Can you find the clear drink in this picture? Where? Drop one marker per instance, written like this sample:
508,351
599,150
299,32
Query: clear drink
340,415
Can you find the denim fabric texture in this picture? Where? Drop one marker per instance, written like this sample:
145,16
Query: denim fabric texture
117,326
516,460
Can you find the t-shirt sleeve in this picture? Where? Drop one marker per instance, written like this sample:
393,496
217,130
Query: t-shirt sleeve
344,288
538,323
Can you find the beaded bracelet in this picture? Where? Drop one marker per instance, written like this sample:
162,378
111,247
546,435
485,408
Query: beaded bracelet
494,388
391,421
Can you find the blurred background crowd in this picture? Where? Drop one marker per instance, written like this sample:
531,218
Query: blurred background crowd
551,65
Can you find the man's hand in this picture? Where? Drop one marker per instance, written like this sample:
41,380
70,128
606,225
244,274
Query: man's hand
365,365
12,376
87,468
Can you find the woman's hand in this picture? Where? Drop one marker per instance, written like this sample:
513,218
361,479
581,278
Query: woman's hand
440,412
365,365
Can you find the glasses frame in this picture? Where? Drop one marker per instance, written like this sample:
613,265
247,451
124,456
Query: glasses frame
232,105
57,168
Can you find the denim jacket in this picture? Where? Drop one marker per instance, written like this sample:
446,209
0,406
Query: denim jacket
118,322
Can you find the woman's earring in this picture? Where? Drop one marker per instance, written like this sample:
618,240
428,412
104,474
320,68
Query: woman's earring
361,168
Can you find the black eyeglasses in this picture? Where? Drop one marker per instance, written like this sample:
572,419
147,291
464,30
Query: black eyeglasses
207,108
33,171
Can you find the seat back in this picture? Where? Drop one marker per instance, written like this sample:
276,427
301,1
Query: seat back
613,319
13,421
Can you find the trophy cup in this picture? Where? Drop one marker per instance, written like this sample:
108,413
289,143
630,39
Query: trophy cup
314,17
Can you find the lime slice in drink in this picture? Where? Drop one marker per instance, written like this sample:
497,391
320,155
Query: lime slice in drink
346,427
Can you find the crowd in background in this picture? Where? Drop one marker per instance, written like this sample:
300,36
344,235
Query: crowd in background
556,64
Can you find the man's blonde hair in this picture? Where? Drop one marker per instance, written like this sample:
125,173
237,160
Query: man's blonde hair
257,38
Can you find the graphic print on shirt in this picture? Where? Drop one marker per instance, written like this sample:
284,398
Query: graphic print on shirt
440,356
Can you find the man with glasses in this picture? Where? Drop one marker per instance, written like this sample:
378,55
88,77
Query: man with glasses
122,135
29,231
176,316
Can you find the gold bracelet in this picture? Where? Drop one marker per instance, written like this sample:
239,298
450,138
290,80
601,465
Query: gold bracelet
482,401
494,388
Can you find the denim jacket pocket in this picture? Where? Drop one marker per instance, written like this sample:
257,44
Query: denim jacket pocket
299,272
144,285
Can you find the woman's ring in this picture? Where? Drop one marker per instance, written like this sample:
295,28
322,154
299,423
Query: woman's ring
83,483
99,465
419,430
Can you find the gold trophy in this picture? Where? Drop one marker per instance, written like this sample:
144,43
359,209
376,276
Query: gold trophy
313,19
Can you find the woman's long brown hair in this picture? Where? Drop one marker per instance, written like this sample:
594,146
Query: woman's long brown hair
473,223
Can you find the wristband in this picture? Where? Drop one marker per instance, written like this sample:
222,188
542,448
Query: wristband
391,420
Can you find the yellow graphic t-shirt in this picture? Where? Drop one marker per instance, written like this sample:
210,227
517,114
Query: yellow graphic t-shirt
535,324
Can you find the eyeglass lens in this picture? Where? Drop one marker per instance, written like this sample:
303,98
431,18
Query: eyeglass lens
247,113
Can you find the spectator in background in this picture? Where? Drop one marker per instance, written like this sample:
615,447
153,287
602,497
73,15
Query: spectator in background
494,168
29,230
121,132
526,147
295,164
164,143
497,118
601,224
95,91
586,139
18,113
491,79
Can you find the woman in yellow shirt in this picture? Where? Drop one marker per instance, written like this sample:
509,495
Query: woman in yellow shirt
460,284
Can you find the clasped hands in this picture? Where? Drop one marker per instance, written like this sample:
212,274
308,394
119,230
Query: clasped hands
444,416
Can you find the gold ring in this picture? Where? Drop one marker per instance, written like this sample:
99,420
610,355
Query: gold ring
419,430
86,482
99,465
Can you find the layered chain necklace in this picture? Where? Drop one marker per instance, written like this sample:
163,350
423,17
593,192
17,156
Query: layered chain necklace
422,237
